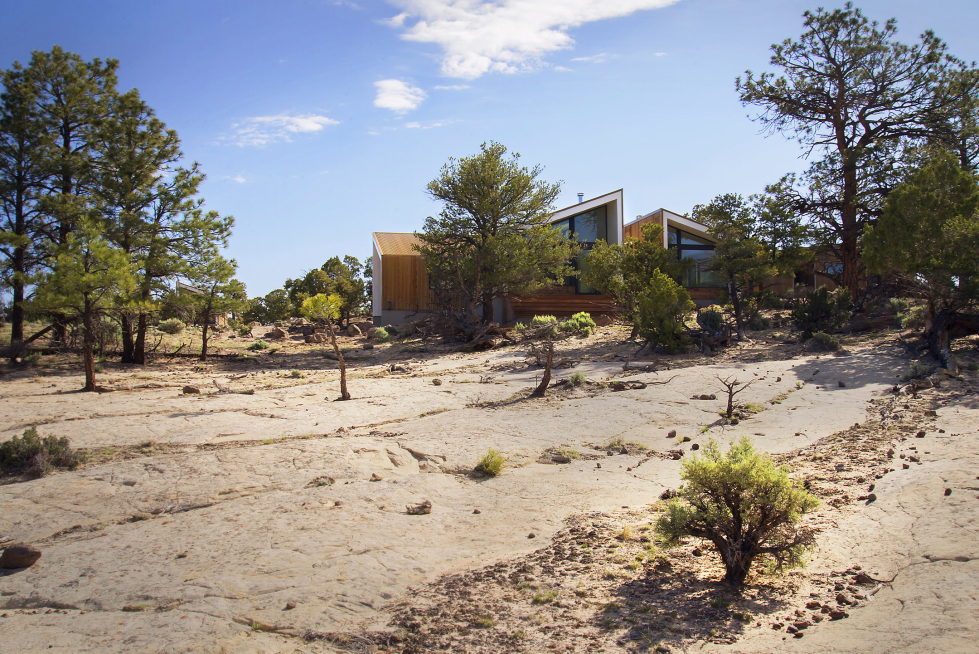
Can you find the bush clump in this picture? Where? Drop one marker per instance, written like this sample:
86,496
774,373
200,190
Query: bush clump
576,379
823,342
579,323
711,318
491,464
540,321
258,345
381,335
745,505
757,322
171,326
662,309
822,310
35,456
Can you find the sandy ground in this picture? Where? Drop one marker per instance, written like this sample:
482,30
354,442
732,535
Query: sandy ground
261,516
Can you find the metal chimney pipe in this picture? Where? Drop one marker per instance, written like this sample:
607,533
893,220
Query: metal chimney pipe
581,197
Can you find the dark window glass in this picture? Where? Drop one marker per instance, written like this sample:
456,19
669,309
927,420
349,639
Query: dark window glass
674,236
563,225
690,239
698,276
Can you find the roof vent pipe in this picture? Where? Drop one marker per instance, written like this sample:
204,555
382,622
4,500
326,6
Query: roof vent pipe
581,197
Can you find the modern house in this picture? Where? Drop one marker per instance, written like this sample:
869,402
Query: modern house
401,291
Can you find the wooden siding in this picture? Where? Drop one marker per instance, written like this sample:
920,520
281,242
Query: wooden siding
404,285
561,301
633,229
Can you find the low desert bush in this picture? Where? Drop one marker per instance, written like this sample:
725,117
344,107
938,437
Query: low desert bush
915,317
580,323
540,321
258,345
758,322
576,379
823,342
35,456
491,464
171,326
744,504
821,310
381,335
711,318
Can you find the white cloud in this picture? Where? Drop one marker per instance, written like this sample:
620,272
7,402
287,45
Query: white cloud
506,36
397,96
659,54
237,179
429,125
452,87
599,58
262,130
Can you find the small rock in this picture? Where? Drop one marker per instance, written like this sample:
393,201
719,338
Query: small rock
842,598
905,465
801,625
841,384
948,491
694,447
813,605
798,634
871,498
368,346
671,433
531,535
920,434
289,606
19,555
838,615
777,625
436,382
697,551
476,511
375,477
338,503
778,379
419,509
191,390
790,629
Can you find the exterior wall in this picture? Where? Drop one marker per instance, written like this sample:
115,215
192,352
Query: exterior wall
560,301
404,284
377,284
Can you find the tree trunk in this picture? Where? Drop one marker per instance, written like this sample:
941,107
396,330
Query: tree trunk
88,349
849,236
204,325
344,395
732,289
946,326
736,565
17,320
487,310
545,380
139,347
128,345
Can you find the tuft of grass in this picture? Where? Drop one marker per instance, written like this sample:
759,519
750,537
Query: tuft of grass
704,429
491,464
32,455
544,597
297,374
751,407
485,622
258,345
576,379
568,452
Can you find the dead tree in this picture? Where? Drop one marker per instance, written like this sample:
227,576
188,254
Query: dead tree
732,387
344,394
548,362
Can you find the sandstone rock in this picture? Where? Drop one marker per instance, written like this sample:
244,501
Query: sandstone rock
316,338
353,330
694,447
844,599
375,477
191,390
436,382
948,491
671,434
276,333
19,555
419,509
838,615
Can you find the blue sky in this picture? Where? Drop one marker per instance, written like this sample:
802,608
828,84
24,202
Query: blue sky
320,121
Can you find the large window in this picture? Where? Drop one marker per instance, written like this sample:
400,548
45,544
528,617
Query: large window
700,251
586,228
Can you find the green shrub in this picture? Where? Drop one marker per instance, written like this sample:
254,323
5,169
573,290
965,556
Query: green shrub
915,317
171,326
758,322
898,305
580,323
491,464
823,342
381,335
711,318
35,456
744,504
540,321
258,345
822,310
576,379
520,328
662,308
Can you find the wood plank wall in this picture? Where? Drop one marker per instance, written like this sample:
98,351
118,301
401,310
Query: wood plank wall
404,285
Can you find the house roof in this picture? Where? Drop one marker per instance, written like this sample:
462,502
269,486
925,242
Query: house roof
396,243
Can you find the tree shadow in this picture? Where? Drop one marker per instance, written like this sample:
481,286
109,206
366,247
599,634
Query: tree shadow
675,606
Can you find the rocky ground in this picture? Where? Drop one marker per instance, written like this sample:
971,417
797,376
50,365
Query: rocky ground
259,515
